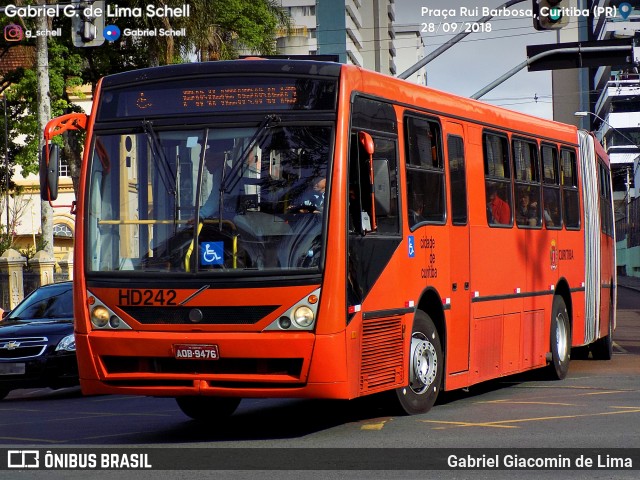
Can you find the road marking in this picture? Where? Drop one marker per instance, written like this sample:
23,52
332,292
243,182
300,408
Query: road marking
467,424
605,393
529,402
32,440
504,423
373,426
620,349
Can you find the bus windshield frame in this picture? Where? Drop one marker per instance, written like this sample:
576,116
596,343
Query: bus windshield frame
263,185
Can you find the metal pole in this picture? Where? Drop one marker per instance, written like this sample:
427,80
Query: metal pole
548,53
627,205
446,46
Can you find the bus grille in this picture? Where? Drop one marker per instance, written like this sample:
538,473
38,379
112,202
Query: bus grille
382,354
235,315
286,367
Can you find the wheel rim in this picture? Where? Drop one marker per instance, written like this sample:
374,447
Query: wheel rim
424,363
561,337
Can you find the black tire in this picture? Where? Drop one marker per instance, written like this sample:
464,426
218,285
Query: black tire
208,409
426,364
560,339
602,349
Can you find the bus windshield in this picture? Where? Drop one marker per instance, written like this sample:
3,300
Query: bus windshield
208,200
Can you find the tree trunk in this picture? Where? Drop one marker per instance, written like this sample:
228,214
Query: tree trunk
44,115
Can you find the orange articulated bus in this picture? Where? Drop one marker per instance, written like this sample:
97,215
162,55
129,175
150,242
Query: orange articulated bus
282,228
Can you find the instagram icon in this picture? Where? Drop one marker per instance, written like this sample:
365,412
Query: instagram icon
13,33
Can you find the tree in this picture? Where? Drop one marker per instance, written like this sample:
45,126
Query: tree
215,30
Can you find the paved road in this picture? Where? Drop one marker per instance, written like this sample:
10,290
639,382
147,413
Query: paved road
596,406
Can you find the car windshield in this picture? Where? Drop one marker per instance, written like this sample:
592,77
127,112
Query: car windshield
46,303
210,200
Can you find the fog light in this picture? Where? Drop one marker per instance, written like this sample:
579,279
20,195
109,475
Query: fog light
303,316
284,322
100,316
114,322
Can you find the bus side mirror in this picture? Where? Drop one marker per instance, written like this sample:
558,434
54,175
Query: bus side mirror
367,142
368,222
49,165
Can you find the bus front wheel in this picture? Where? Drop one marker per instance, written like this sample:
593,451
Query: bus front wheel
208,409
560,339
425,367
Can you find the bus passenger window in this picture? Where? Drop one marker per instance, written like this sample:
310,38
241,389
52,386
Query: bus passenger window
569,183
527,178
458,194
425,171
498,209
551,187
497,179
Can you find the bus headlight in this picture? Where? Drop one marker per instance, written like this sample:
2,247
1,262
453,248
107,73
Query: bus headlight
303,316
100,316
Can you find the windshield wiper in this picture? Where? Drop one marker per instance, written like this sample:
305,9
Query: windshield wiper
238,162
164,170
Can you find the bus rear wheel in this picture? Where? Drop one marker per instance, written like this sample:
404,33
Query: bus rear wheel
208,409
560,339
425,367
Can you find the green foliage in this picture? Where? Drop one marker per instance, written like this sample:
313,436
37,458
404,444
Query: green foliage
6,240
215,30
30,251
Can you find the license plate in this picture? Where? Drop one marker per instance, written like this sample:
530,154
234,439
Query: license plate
196,352
12,368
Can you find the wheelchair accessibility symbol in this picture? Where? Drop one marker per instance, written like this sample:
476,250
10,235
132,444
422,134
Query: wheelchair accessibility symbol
211,253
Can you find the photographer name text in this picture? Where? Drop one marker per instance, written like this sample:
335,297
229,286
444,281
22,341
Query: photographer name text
111,11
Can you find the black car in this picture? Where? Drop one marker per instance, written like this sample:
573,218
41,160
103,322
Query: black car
37,346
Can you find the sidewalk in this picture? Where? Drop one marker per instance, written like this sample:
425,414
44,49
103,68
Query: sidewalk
629,282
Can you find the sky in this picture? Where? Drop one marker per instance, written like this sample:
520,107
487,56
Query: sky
484,56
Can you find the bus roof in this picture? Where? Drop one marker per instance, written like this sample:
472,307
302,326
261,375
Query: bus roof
454,106
411,95
224,67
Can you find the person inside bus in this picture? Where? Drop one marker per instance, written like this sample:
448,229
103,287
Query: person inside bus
527,213
312,200
416,209
551,213
214,158
499,210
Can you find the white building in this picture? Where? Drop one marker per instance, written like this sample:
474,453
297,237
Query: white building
358,32
410,50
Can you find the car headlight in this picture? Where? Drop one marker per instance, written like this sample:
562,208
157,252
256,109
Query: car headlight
67,344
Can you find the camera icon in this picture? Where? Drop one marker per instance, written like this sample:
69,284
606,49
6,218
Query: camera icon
13,33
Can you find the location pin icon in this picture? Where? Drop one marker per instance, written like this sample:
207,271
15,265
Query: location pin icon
625,10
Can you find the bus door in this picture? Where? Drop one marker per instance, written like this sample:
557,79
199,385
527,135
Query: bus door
459,317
